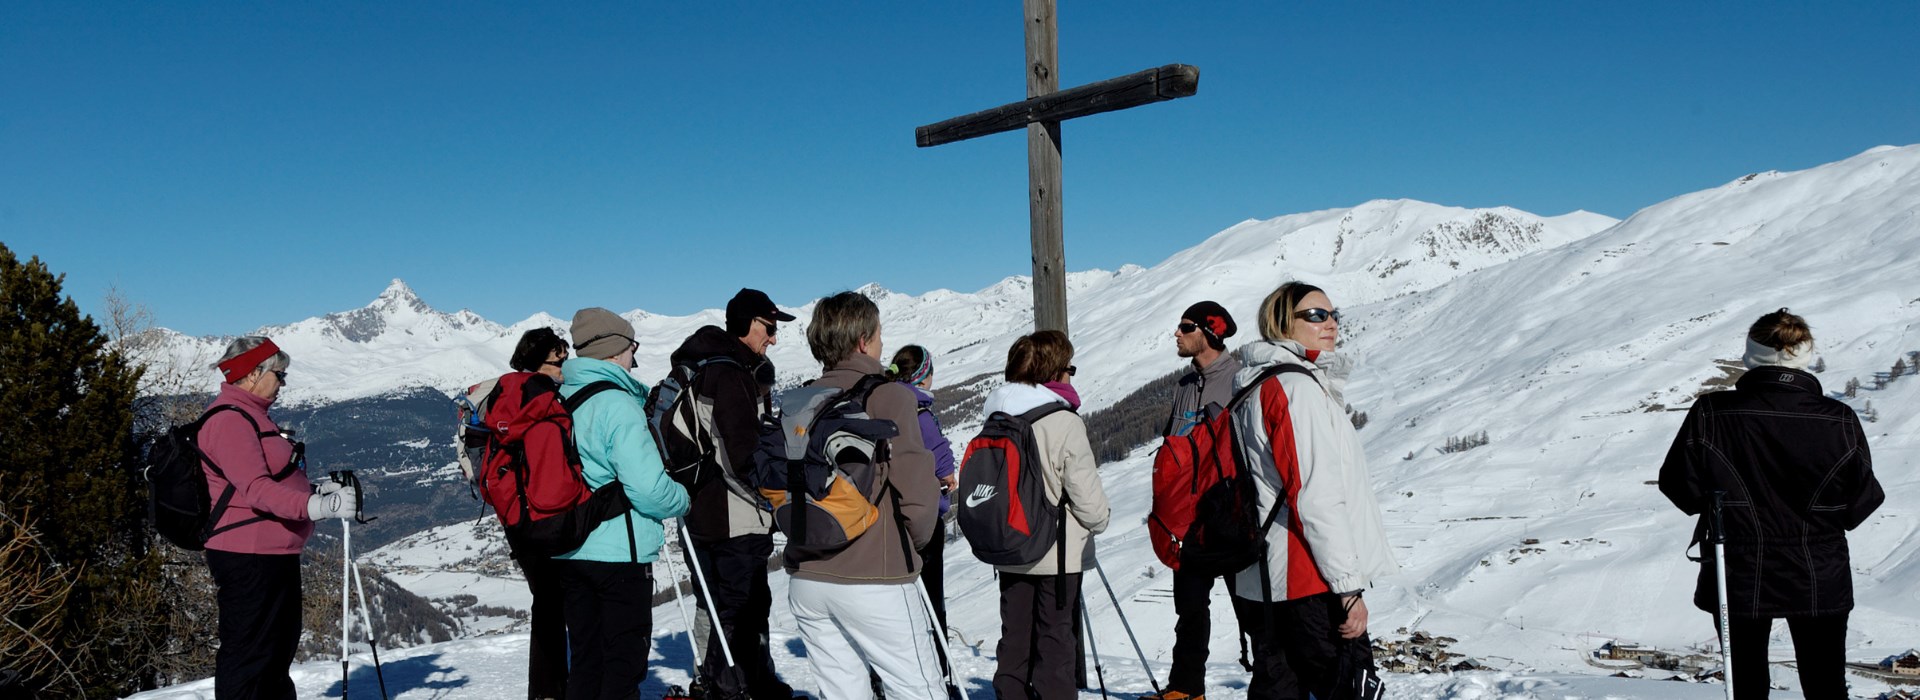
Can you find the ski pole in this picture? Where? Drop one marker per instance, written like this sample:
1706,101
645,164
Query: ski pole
346,610
1718,533
719,629
1128,626
680,601
1094,648
940,636
373,640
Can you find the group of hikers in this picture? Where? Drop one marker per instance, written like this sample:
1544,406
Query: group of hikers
1263,473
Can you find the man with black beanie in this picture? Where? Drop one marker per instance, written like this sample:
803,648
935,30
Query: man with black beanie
1203,392
732,537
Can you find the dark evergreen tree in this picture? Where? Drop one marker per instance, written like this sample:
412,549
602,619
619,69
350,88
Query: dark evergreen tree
69,469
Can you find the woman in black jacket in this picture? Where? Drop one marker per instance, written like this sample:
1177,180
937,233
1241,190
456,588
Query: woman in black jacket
1797,475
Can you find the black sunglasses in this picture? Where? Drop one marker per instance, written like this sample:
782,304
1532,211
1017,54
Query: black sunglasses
1188,327
772,328
279,374
1072,370
1316,315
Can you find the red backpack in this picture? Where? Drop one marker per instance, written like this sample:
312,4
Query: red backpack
1206,515
531,472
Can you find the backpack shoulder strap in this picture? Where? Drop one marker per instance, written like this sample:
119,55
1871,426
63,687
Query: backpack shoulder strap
864,388
579,398
204,417
1276,370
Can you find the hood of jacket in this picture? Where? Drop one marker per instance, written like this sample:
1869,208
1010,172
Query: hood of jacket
1331,368
1017,398
714,341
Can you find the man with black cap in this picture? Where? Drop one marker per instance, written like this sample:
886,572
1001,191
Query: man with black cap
732,536
1203,391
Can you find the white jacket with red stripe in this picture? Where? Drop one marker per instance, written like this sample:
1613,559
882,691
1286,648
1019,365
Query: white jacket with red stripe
1332,538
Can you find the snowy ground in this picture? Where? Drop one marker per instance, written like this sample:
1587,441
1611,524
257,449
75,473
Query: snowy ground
494,668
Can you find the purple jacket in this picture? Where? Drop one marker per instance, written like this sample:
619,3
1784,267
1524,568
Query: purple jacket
936,441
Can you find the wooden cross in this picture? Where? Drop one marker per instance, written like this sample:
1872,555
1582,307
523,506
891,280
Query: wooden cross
1041,113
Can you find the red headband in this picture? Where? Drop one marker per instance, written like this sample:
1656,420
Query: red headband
243,364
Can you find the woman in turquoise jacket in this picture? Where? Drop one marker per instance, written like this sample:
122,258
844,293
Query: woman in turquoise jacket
609,580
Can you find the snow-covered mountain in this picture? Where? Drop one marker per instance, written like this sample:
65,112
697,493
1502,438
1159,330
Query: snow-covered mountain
1378,250
1571,342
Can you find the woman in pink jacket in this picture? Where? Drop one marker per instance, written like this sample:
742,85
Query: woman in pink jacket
264,510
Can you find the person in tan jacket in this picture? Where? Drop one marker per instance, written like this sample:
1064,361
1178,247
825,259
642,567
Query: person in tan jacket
1038,601
858,606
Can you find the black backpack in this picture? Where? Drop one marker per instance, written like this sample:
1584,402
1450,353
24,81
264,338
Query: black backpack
1001,504
178,503
683,428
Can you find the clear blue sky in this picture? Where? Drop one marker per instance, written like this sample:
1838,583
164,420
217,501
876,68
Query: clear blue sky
237,164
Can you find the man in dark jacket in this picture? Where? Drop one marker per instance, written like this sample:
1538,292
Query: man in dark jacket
1797,475
1203,391
732,536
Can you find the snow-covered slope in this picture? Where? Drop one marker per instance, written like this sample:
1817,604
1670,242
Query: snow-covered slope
1573,353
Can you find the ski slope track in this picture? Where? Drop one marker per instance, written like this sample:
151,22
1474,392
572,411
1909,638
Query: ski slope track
1573,342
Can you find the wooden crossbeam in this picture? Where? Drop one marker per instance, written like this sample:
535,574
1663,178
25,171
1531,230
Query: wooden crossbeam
1167,82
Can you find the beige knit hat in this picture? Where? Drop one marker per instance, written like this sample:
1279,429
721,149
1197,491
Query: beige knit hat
599,333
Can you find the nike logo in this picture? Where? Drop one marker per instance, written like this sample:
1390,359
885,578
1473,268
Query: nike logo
981,494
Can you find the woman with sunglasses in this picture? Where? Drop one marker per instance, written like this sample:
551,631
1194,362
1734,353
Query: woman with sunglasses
539,354
1039,602
263,514
1302,606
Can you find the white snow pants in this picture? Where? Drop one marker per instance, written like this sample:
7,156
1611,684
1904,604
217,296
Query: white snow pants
848,627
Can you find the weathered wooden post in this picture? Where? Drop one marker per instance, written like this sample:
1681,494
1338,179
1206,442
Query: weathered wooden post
1041,113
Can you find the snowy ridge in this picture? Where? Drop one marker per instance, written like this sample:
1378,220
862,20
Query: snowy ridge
1378,249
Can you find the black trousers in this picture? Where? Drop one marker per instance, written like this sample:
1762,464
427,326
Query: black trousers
547,656
609,625
1819,650
736,574
1037,643
1192,598
933,573
259,599
1297,648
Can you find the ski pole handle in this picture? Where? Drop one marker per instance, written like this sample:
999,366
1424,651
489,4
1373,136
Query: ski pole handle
1716,525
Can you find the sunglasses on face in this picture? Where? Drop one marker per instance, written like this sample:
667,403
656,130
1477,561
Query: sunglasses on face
1188,327
1072,370
1316,315
279,374
772,328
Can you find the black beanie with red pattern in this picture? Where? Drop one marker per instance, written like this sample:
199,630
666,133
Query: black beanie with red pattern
1214,320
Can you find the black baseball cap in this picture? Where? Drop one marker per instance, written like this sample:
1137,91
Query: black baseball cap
750,304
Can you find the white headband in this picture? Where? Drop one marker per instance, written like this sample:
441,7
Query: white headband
1796,357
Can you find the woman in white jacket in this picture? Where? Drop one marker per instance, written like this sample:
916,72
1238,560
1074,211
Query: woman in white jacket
1302,607
1038,647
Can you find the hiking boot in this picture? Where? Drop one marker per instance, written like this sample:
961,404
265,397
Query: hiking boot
1173,695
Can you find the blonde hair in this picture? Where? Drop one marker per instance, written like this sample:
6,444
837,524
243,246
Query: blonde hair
1276,313
1780,330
